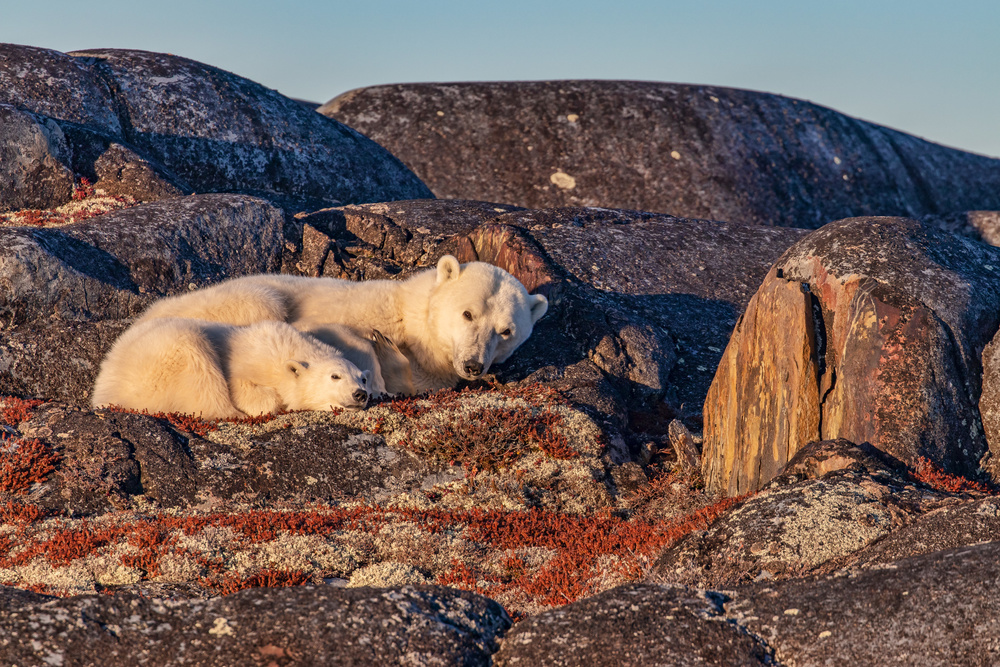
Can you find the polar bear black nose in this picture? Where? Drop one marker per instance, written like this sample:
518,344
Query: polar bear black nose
360,395
473,368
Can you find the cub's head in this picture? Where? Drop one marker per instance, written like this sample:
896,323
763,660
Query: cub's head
481,314
326,383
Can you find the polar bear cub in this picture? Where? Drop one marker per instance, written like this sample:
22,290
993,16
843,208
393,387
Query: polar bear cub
220,371
451,322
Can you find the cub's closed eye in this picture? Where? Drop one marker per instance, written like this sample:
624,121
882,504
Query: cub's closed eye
334,377
467,315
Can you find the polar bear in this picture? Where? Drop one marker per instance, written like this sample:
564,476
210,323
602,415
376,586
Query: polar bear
390,369
221,371
451,322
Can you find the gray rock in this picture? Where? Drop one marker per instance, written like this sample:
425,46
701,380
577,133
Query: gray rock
223,133
33,153
425,625
56,360
833,500
632,625
938,609
110,267
691,151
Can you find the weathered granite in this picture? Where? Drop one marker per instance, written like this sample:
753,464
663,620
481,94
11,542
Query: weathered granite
688,150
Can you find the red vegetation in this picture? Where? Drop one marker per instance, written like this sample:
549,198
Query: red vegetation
24,462
934,477
264,578
13,410
83,189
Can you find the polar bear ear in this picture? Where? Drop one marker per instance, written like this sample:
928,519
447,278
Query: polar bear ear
296,368
448,269
539,306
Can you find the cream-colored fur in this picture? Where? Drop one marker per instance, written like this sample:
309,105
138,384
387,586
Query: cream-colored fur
451,322
390,369
218,371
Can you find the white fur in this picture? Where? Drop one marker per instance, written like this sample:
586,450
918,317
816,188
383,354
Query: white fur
424,315
217,370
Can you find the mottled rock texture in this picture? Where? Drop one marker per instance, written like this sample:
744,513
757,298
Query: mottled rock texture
422,625
191,127
831,501
989,404
633,625
869,329
111,266
32,154
691,151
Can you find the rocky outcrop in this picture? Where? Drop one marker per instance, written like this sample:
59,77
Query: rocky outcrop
691,151
869,329
316,625
113,265
937,609
185,127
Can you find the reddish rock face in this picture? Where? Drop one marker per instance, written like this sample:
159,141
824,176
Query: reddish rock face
869,329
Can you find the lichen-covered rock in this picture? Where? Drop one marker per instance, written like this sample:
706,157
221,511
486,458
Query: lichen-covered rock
937,609
633,625
833,500
110,267
989,405
426,625
149,124
223,133
691,151
869,329
55,360
33,152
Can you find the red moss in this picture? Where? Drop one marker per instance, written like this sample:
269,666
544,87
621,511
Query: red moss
25,462
267,578
934,477
13,410
19,514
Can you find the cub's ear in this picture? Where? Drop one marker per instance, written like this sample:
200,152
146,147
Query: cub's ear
296,368
448,269
539,306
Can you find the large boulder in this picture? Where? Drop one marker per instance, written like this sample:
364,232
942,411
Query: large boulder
869,329
426,625
111,266
691,151
937,609
192,127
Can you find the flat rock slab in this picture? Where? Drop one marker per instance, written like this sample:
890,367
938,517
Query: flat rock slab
425,625
691,151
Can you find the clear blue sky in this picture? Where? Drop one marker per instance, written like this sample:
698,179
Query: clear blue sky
929,68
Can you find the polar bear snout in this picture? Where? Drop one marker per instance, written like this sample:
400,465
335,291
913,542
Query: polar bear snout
361,396
473,368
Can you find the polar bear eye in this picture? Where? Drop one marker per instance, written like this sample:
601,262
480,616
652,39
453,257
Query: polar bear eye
467,315
505,333
364,380
334,377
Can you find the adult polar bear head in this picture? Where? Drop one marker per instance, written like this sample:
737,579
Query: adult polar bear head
481,312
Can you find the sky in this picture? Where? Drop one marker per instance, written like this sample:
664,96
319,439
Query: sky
928,68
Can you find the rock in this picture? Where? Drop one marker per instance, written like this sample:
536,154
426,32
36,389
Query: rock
223,133
55,360
633,625
869,329
989,405
32,155
685,449
175,126
938,609
833,500
314,625
110,267
691,151
980,225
